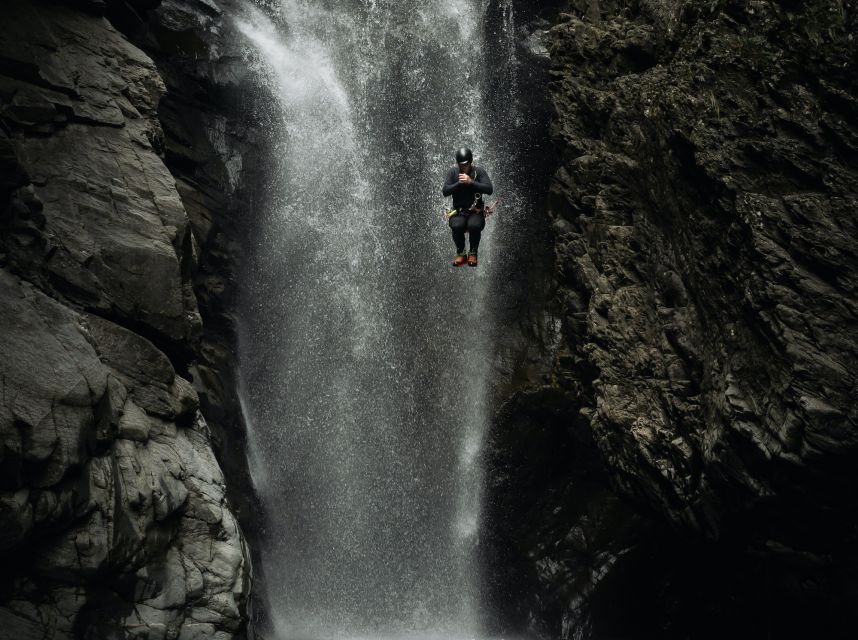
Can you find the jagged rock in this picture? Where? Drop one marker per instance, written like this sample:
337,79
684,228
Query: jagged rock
187,16
134,424
549,495
706,279
105,239
106,462
215,119
133,508
16,516
696,278
12,174
51,377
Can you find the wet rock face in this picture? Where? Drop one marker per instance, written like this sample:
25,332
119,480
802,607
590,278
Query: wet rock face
83,113
215,121
703,211
113,511
565,548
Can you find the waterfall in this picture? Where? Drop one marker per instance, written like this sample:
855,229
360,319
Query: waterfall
365,357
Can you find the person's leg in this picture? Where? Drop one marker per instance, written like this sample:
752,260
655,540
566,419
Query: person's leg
457,224
475,224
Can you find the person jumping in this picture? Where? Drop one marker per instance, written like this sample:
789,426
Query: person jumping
467,184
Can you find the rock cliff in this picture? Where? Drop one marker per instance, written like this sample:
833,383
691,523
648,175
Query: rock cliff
113,509
687,471
705,271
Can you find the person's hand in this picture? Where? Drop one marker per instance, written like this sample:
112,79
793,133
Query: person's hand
464,178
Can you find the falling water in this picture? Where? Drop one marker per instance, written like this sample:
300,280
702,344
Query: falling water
365,355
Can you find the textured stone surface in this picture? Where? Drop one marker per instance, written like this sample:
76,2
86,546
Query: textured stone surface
215,120
549,495
113,511
102,225
705,261
707,264
141,508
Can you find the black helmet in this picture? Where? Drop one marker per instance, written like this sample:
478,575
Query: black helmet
464,155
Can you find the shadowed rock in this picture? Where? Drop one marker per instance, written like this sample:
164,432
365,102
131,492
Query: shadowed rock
103,225
703,208
134,516
112,506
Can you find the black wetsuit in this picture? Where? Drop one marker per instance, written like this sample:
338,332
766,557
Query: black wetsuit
466,197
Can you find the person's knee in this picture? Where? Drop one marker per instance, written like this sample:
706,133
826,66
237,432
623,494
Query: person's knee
476,223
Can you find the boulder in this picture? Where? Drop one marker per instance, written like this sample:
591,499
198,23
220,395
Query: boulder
113,513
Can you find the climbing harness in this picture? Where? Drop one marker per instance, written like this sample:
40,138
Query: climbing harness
486,211
476,205
490,209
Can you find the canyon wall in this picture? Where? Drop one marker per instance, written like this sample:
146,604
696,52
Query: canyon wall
704,385
117,321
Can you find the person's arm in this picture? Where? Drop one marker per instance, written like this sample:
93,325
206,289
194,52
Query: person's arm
483,184
450,183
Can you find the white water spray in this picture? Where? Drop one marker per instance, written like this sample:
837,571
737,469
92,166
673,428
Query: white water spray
365,356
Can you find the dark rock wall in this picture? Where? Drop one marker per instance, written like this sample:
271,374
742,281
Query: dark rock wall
215,117
703,212
117,338
704,215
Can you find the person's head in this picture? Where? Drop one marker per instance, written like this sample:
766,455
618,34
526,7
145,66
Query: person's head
464,158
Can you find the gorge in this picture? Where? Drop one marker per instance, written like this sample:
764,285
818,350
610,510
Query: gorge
244,395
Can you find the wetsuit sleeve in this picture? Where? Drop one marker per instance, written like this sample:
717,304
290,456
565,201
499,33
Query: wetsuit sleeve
450,183
483,184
